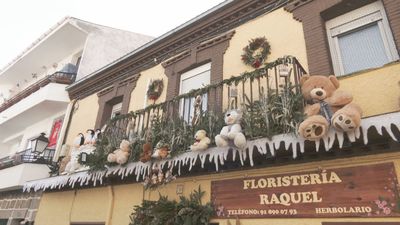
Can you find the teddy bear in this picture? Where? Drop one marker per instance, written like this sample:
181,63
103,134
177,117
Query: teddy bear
161,151
202,141
146,154
326,105
120,155
233,130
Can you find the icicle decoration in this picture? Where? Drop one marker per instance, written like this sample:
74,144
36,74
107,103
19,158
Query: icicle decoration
218,156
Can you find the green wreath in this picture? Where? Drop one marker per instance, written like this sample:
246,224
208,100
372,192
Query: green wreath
155,89
256,52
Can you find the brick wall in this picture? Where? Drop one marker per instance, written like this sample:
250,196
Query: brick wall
311,14
198,54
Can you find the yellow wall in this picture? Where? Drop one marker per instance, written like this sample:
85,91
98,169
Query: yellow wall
377,91
83,118
91,205
125,197
138,96
55,206
284,34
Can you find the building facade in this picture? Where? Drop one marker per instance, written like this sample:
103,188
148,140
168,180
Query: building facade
34,101
205,69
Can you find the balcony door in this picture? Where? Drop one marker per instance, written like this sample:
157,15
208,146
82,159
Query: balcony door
193,79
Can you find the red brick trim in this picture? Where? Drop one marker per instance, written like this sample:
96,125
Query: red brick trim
211,50
119,92
313,15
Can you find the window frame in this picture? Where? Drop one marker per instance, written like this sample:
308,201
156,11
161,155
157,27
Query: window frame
119,92
356,19
116,109
199,70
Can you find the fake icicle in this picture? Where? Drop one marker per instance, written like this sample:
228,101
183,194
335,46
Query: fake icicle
218,156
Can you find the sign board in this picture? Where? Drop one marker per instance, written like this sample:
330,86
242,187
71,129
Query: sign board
361,191
55,131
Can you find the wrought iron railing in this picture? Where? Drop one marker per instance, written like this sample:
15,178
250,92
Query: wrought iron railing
28,156
57,77
229,93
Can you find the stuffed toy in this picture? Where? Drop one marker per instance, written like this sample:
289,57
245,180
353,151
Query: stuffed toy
161,151
71,160
120,155
146,154
233,130
202,141
89,136
79,141
73,165
327,106
96,136
130,130
198,101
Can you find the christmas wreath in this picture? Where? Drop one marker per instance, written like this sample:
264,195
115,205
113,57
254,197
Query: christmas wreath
155,89
256,52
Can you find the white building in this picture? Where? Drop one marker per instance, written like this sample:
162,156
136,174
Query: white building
33,100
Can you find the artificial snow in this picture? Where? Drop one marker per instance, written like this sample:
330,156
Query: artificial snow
218,156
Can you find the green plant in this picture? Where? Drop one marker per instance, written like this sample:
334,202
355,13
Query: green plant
192,212
188,211
276,112
98,158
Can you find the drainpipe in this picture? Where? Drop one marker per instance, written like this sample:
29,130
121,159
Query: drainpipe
111,205
64,129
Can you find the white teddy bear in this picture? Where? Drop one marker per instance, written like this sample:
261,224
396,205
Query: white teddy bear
120,155
233,130
202,141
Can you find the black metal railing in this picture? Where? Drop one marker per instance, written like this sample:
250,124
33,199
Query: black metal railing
234,92
28,156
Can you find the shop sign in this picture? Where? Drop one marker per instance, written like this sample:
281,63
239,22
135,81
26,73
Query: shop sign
361,191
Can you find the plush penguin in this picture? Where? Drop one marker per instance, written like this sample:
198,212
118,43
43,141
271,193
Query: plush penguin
79,140
97,135
89,136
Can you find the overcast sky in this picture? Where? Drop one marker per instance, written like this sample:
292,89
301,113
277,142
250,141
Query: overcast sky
23,21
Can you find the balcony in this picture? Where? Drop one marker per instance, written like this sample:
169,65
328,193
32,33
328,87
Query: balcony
58,78
24,166
36,103
27,156
271,136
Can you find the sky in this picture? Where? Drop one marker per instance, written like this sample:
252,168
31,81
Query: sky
23,21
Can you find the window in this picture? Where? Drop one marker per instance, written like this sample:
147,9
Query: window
116,110
361,39
193,79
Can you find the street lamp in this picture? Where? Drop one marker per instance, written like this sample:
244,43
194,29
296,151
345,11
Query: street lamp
40,143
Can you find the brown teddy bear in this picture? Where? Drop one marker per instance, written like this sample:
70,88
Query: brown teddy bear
146,154
325,106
